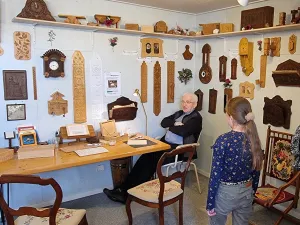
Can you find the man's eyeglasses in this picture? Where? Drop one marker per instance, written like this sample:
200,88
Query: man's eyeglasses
186,102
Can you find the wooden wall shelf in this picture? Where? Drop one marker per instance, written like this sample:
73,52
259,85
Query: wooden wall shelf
135,32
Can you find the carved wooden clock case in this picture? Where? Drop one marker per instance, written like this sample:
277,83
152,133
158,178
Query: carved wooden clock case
36,9
54,63
205,73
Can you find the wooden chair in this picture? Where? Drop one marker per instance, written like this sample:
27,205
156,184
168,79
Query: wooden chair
278,164
163,191
42,216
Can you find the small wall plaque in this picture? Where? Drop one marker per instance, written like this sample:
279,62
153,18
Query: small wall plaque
213,94
57,105
292,44
247,90
199,94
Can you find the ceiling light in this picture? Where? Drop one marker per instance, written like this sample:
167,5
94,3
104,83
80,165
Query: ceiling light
243,2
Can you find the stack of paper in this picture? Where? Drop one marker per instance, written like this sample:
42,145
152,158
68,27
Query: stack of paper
137,142
38,151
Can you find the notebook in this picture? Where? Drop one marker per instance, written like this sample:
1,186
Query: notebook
91,151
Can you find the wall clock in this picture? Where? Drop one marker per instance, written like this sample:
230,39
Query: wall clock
205,73
54,63
36,9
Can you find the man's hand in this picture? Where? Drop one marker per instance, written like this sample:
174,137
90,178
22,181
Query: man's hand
178,124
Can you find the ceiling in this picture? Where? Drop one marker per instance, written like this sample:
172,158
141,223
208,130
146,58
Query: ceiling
189,6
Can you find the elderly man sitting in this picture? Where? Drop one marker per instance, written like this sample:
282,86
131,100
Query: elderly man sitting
183,127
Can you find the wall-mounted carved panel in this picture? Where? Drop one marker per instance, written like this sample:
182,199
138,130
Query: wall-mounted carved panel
233,69
22,45
157,89
57,105
122,109
205,73
213,94
199,94
247,90
152,47
227,97
170,81
263,71
15,84
222,68
36,9
34,83
246,56
287,74
144,82
293,44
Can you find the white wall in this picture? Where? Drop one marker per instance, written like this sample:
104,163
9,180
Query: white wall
215,124
81,181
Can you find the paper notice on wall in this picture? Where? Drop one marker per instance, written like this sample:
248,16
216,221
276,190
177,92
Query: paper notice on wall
112,84
96,70
233,53
96,111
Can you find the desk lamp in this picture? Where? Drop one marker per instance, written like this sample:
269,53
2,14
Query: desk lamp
137,93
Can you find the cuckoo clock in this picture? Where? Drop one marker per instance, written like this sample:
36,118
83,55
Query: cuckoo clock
54,63
36,9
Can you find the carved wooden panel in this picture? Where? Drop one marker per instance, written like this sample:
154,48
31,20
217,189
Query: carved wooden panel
170,81
227,97
144,82
57,105
205,73
287,74
15,84
152,47
233,69
247,90
222,68
258,17
187,55
292,43
275,46
34,83
266,46
277,112
22,45
157,89
122,109
263,71
36,9
199,94
246,56
79,95
213,94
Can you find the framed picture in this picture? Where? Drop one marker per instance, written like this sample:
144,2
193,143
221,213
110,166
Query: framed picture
15,84
16,112
152,47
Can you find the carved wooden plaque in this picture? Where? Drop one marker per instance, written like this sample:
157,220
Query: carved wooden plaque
15,84
287,74
213,94
36,9
199,94
266,46
161,26
246,56
277,112
258,18
205,73
292,43
247,90
157,89
79,95
275,46
263,71
227,97
22,45
57,105
152,47
187,55
144,82
170,81
222,68
34,83
233,69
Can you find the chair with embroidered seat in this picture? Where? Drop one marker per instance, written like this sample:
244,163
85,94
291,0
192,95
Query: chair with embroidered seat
278,164
41,216
163,191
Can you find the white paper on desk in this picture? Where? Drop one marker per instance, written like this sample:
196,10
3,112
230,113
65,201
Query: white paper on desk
77,129
137,142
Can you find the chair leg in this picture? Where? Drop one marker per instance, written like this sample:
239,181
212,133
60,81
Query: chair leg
128,209
284,213
161,215
83,221
196,173
181,211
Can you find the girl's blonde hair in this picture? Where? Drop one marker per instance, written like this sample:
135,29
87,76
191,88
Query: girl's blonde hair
239,108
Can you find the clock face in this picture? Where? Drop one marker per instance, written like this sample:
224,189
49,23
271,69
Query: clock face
53,65
36,6
205,74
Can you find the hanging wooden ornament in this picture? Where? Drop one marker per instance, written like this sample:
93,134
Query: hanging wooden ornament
205,73
34,83
22,45
287,74
293,44
79,95
57,106
222,68
275,46
246,56
247,90
213,94
199,94
263,71
187,55
233,69
157,89
227,97
170,81
144,82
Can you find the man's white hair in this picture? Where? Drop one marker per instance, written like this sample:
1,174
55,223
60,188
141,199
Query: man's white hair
192,96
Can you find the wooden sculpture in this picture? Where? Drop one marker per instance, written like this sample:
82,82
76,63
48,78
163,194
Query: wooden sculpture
282,17
277,112
263,71
213,94
205,73
157,89
22,45
71,18
79,95
170,81
227,97
222,68
287,74
161,27
258,17
36,9
199,94
57,105
152,47
34,83
187,55
247,90
54,62
101,19
246,56
233,69
292,43
144,82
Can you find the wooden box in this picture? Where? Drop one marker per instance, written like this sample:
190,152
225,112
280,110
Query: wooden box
147,28
6,154
39,151
209,28
129,26
258,17
226,27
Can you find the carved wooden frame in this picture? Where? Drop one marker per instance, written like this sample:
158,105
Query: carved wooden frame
155,50
247,90
199,94
15,84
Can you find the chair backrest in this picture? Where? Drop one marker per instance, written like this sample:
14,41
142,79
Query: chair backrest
187,151
29,179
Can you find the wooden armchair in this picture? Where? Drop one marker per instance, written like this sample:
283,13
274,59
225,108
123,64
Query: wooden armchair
163,191
42,216
278,164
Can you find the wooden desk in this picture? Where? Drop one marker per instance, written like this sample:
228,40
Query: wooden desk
64,160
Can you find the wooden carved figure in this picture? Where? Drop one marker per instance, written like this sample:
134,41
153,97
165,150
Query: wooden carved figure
233,68
22,45
187,55
57,105
170,81
227,97
222,68
157,89
36,9
246,56
263,71
292,44
213,94
247,90
144,82
199,94
266,46
287,74
205,73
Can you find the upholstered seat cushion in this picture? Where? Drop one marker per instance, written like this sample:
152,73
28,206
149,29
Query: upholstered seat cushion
149,191
63,217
